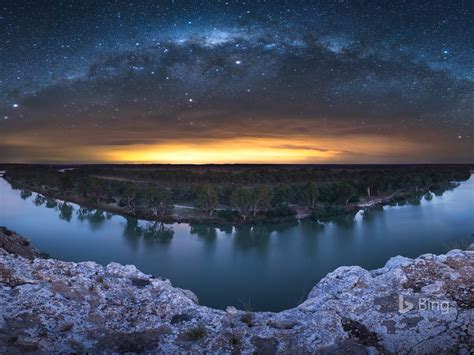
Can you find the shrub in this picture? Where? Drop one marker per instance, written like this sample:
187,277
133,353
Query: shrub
247,318
280,211
195,333
227,214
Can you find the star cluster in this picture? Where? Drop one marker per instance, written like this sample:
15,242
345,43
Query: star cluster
103,75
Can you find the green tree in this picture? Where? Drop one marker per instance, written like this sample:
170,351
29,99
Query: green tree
97,190
281,195
261,199
159,201
344,191
83,187
65,182
242,200
206,198
373,184
310,194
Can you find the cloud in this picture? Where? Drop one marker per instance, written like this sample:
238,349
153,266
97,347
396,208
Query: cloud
224,85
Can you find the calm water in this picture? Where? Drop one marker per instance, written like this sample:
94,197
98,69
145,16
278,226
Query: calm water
265,268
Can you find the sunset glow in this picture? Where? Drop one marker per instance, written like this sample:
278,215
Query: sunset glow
259,150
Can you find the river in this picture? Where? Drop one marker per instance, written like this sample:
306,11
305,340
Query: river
262,268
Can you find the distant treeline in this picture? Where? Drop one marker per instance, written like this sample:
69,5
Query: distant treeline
231,193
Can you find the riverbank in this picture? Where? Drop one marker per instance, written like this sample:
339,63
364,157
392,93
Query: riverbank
229,217
49,305
232,196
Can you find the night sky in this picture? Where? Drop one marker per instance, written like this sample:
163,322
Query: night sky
180,81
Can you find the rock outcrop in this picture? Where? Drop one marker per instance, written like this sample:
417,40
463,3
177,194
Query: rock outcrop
18,245
422,305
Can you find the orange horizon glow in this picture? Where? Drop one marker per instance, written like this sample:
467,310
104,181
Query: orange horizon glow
255,150
277,149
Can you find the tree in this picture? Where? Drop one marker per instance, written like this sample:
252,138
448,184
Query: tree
261,198
344,191
97,187
159,201
130,192
206,198
242,200
373,183
65,182
281,195
310,194
83,187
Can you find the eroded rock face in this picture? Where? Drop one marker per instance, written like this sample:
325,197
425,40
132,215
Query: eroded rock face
63,306
18,245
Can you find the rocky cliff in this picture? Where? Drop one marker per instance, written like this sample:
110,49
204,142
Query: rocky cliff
422,305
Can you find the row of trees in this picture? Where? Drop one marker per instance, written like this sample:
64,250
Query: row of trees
377,176
247,201
156,199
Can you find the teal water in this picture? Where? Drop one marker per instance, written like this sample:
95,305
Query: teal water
262,268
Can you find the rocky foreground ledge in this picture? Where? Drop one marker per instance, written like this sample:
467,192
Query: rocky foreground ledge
422,305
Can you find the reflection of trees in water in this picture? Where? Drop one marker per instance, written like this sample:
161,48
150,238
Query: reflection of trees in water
345,221
258,236
309,231
39,200
370,213
51,202
226,229
311,228
247,237
152,232
414,200
440,190
94,217
65,211
157,231
281,227
203,231
132,229
132,232
25,194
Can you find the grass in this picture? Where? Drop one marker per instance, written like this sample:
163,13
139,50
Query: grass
247,318
196,333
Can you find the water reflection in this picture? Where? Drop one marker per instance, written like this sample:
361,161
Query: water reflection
226,229
39,200
157,232
132,232
51,202
205,232
345,221
25,194
65,211
95,217
248,237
